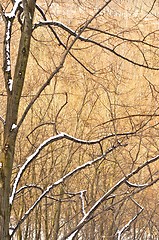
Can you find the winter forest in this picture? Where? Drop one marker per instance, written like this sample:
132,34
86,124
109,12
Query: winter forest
79,120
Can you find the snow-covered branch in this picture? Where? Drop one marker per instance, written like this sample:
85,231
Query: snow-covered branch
29,160
136,185
8,20
57,24
60,42
106,196
7,63
61,180
14,10
82,197
29,186
88,215
128,225
69,29
42,146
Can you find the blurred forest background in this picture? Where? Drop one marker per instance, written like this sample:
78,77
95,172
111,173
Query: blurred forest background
107,91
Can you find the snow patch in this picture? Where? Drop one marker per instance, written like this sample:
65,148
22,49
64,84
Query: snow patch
7,47
8,32
71,236
10,86
13,126
30,16
8,66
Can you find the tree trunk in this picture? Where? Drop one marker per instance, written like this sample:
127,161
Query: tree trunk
13,100
4,195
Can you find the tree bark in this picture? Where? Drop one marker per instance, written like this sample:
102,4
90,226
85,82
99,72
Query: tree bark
13,100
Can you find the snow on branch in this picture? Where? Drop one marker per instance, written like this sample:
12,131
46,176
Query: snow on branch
10,84
58,137
134,185
14,126
82,197
61,180
29,160
8,19
88,215
69,29
14,9
60,40
106,196
57,24
29,186
7,63
128,225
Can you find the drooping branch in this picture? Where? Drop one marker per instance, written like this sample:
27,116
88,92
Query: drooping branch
134,185
50,140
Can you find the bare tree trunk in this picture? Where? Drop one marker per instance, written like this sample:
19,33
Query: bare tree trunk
4,196
13,100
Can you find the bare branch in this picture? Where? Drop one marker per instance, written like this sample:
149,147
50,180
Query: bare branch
142,41
89,40
59,40
2,120
60,64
